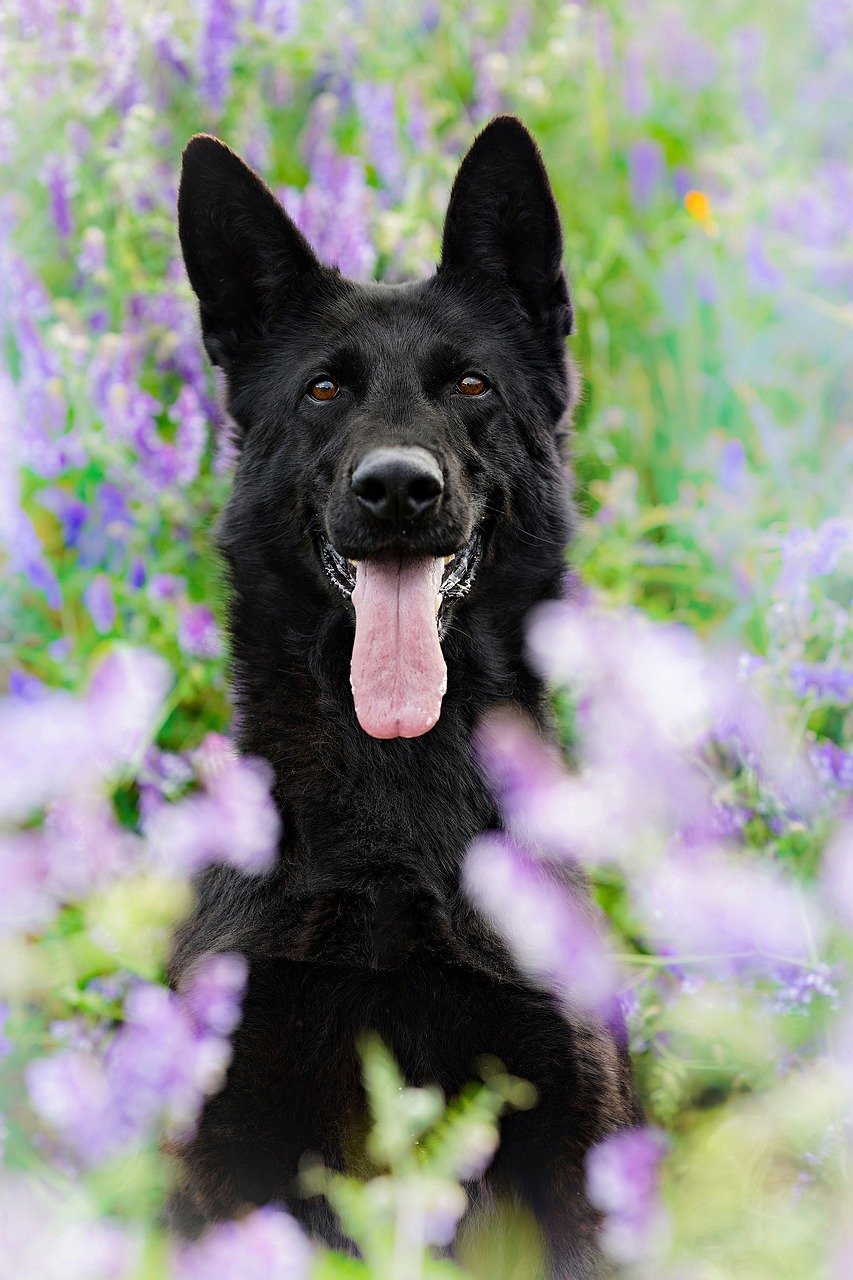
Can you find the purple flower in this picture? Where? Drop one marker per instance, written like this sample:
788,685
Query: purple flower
26,902
734,914
57,175
266,1245
124,702
232,820
170,1053
809,554
837,874
166,586
622,1178
6,1044
646,166
98,599
762,272
217,44
377,107
70,511
334,211
546,929
49,1232
24,685
833,765
85,845
214,995
198,633
732,466
92,258
279,17
798,986
61,742
826,683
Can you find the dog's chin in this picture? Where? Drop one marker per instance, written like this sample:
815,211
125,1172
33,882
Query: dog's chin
401,601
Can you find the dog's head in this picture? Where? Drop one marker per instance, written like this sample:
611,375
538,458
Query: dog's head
395,439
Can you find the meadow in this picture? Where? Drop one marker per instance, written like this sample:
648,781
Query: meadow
702,660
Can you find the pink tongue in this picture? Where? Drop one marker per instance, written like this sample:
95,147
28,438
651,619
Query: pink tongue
398,675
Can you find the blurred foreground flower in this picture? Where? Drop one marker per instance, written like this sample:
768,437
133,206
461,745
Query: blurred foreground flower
265,1245
623,1181
169,1054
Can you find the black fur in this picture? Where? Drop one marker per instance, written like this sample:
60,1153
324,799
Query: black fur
363,925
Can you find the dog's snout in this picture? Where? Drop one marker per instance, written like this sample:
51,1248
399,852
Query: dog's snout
397,484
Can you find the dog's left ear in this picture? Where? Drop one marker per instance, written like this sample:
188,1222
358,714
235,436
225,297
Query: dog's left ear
502,220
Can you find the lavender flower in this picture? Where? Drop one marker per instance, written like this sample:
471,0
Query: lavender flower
822,681
732,466
734,914
233,820
837,874
168,1055
266,1245
57,176
548,933
623,1174
334,212
646,166
50,1232
198,634
98,599
279,17
378,110
215,992
217,44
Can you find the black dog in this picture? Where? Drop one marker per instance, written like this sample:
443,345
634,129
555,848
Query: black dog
399,505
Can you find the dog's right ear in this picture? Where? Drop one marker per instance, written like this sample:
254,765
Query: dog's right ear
241,249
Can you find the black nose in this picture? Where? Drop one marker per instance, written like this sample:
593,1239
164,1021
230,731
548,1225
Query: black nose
397,484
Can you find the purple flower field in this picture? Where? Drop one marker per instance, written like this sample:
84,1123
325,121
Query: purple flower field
702,659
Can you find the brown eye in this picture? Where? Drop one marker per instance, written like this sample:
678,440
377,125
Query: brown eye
323,389
472,385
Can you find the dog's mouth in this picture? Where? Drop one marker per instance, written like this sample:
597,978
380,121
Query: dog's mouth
398,673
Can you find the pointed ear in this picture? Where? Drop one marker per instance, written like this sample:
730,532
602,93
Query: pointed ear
502,220
241,249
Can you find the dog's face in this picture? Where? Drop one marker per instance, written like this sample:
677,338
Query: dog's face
394,438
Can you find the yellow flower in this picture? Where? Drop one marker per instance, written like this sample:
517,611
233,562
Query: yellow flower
698,206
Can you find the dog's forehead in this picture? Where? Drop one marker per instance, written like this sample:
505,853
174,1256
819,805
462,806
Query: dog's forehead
417,321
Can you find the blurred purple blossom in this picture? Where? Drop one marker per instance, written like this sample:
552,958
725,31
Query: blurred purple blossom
98,599
833,765
49,1231
279,17
6,1044
335,211
377,107
551,936
157,1070
623,1182
198,634
53,746
218,37
798,986
265,1245
635,88
732,469
822,681
646,167
837,874
214,994
58,177
763,272
232,820
737,916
